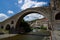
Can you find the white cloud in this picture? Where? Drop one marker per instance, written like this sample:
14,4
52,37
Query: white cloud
10,12
39,4
20,1
3,17
26,5
33,16
29,4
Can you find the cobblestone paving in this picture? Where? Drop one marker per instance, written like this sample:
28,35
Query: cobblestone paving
56,35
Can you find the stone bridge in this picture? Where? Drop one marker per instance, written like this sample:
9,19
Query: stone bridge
51,12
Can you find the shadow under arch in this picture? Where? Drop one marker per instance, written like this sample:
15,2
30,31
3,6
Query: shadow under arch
57,16
24,14
7,27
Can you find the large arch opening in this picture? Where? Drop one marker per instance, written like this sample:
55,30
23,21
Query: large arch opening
20,26
57,17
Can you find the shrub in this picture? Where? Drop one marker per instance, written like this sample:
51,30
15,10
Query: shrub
42,27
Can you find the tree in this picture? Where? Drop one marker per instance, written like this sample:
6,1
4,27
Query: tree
25,27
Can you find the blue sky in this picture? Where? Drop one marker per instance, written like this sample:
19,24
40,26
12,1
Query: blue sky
9,8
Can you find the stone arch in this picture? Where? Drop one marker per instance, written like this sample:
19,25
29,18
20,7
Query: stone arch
7,27
12,22
2,27
57,16
23,14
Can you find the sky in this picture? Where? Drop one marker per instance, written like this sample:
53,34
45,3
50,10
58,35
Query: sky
33,16
9,8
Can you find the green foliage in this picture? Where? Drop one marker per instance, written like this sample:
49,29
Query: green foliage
25,26
45,28
42,27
